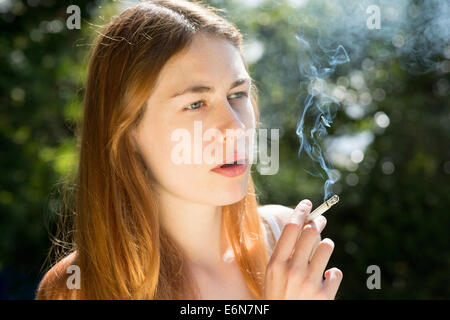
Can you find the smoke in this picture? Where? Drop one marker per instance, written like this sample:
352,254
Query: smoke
413,34
416,33
320,108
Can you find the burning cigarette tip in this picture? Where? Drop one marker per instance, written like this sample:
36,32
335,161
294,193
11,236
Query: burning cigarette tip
333,200
323,207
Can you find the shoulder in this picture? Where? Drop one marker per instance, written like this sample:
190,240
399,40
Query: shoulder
53,285
275,217
280,213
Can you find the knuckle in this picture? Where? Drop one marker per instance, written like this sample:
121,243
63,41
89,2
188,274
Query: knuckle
291,227
309,279
293,273
311,230
274,266
323,222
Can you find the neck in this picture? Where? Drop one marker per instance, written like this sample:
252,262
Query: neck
196,228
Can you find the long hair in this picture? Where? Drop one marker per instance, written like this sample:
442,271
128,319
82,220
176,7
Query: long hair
121,250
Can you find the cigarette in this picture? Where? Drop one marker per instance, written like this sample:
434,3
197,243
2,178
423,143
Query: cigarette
323,208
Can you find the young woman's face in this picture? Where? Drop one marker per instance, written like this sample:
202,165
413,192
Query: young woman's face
207,62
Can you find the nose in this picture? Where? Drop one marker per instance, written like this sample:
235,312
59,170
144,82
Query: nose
230,122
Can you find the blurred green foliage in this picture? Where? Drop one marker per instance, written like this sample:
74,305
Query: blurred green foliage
394,202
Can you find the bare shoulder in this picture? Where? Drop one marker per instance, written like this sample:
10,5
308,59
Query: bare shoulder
53,284
279,212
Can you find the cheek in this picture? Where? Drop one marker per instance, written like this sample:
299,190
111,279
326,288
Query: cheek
159,147
156,145
189,181
249,117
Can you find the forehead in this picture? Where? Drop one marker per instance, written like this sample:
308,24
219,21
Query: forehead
207,58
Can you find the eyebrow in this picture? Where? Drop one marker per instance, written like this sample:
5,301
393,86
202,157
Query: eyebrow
202,88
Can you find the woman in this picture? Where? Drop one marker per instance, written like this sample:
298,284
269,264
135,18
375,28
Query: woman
149,228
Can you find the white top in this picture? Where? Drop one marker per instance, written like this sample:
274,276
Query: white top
275,228
273,225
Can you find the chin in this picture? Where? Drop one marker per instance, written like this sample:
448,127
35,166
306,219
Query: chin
230,193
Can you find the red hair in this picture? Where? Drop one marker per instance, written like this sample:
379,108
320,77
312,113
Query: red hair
117,241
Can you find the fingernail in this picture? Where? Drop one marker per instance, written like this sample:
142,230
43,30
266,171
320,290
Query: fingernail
302,211
303,206
306,202
327,274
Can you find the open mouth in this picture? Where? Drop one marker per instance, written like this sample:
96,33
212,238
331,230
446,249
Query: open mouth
235,164
227,165
232,169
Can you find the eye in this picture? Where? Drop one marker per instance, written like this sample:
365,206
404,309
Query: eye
197,105
242,94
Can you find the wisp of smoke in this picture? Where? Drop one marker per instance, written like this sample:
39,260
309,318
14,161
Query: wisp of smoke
320,108
414,33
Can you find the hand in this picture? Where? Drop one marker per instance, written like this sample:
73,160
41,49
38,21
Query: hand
296,267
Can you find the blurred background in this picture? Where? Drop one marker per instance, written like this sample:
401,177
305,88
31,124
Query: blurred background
387,150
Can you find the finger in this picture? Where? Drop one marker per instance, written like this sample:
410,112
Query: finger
305,243
291,231
332,282
320,259
319,238
321,227
320,221
275,275
301,212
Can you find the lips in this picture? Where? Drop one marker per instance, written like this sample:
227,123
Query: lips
232,171
237,158
233,167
